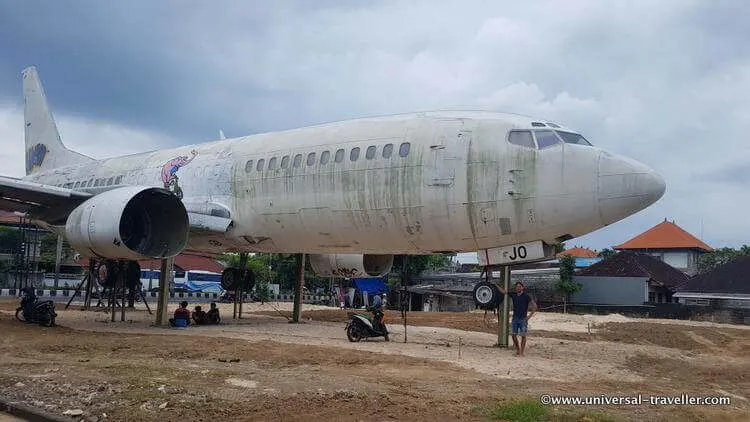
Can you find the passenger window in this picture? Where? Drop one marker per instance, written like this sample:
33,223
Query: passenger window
110,181
325,157
339,156
118,180
354,155
403,150
522,138
285,162
387,150
272,163
91,183
77,185
310,158
370,154
546,138
97,182
249,166
297,160
83,184
260,164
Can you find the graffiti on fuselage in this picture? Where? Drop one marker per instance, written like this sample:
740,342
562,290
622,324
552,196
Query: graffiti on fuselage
169,172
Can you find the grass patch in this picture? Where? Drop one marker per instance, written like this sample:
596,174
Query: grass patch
531,410
526,410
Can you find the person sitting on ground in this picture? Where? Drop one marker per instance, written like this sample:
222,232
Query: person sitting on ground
213,314
199,316
181,316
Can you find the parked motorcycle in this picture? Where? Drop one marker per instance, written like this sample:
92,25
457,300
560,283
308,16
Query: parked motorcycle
360,326
34,311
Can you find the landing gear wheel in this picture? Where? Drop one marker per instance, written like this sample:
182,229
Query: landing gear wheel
486,295
230,278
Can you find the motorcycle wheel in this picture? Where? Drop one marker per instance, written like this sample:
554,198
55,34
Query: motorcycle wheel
385,336
19,315
353,333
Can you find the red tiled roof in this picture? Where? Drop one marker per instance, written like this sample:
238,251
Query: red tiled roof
7,217
184,261
665,235
579,252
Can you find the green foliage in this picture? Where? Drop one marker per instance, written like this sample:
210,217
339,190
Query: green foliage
531,410
283,270
567,284
718,257
527,410
409,266
607,252
10,239
264,291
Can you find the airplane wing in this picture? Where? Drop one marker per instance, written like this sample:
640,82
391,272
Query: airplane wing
52,204
44,202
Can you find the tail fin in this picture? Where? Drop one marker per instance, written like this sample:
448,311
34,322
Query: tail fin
44,149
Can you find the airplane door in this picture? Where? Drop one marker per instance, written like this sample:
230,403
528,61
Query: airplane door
450,141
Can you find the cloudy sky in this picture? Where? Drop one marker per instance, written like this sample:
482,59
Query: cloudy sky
665,82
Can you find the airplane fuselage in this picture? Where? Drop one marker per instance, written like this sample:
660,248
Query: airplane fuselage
406,184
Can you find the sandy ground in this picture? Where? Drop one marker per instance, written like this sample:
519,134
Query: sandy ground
446,371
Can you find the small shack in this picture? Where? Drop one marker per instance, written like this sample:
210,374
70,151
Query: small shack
628,279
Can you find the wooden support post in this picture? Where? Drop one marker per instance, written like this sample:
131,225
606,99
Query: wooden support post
503,331
165,279
121,281
243,275
93,278
58,258
299,288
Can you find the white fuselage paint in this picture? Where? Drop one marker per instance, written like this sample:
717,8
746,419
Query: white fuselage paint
462,187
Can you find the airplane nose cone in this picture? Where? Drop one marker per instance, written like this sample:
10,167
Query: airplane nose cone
626,186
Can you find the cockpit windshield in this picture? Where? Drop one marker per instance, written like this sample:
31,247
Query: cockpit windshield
544,138
573,138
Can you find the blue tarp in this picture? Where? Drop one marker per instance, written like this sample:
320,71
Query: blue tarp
372,286
200,286
585,262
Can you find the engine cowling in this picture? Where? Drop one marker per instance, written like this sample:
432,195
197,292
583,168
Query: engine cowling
132,223
351,265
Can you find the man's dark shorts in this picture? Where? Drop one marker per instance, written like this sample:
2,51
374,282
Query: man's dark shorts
519,326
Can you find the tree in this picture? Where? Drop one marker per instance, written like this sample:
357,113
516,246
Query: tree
718,257
607,252
567,284
416,265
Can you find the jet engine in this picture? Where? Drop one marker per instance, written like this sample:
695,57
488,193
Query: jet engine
351,265
129,223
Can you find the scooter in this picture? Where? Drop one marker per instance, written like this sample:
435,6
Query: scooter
360,326
34,311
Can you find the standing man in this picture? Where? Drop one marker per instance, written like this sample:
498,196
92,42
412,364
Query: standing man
519,322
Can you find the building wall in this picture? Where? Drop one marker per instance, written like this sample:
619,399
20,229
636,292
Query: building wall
624,291
685,260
